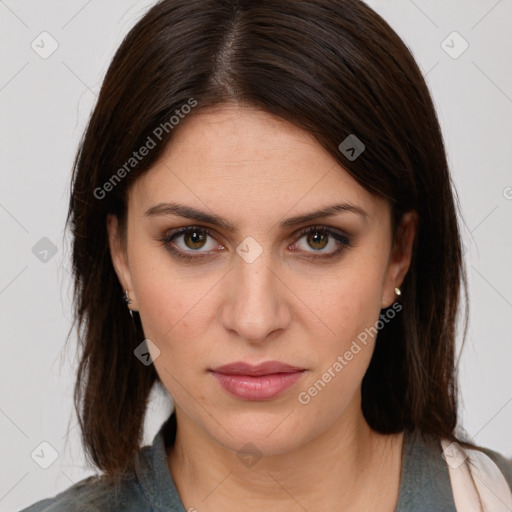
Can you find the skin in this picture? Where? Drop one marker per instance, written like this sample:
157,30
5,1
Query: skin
256,170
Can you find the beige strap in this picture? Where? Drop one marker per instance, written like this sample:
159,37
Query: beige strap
478,485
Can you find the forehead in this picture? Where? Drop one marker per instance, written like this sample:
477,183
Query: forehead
242,159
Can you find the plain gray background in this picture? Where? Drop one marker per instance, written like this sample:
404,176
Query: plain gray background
44,106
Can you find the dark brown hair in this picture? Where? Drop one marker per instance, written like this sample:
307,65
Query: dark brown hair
331,67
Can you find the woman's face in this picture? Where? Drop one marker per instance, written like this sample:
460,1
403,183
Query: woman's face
263,289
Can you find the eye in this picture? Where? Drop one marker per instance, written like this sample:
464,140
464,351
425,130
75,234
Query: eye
319,238
188,240
183,242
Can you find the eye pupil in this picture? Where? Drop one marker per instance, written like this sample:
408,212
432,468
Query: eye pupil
197,239
317,238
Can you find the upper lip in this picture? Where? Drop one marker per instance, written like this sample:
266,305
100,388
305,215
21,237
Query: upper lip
265,368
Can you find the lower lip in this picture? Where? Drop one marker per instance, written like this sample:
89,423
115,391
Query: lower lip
262,387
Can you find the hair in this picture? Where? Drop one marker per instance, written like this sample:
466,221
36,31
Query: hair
331,67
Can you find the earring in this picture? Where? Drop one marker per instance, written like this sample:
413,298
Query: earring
127,301
126,297
397,291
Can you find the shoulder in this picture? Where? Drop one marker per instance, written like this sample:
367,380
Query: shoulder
505,464
93,494
147,487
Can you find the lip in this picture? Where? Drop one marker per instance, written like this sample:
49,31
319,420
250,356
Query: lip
265,368
257,382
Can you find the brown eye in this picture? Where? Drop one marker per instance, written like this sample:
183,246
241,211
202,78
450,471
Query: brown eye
196,238
317,240
188,243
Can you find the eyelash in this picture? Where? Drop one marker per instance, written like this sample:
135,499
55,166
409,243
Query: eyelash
342,239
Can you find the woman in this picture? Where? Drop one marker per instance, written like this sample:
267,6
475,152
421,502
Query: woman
265,185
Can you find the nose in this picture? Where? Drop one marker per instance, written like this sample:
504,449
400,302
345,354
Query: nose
255,303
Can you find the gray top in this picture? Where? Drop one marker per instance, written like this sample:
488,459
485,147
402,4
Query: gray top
424,485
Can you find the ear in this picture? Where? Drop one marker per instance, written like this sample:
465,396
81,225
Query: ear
400,259
119,257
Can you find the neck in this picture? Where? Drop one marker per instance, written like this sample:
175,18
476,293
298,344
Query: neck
336,467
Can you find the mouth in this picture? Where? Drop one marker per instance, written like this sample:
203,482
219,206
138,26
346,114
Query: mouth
257,382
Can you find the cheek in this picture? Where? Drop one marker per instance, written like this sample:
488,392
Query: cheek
175,311
343,355
349,305
348,302
172,317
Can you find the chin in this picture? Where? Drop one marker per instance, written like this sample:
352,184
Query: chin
266,434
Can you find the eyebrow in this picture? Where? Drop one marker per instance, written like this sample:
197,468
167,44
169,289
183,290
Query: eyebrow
180,210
